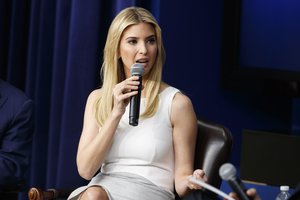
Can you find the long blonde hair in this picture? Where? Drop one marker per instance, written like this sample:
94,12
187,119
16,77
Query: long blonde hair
112,71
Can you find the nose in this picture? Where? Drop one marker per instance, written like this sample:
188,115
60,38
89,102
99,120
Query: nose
143,48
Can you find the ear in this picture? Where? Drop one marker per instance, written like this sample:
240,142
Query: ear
119,58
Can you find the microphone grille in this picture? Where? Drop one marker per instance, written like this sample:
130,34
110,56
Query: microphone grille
137,69
227,172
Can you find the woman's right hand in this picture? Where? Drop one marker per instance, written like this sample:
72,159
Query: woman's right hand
122,93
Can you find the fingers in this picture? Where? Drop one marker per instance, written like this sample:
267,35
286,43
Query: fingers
193,186
250,192
126,86
123,91
200,175
253,194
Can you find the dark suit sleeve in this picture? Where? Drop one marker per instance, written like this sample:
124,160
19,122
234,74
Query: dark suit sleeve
16,146
296,194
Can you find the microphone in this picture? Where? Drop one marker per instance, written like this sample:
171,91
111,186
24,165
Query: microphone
228,173
136,69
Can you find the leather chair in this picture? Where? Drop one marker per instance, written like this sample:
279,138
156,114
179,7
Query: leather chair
213,148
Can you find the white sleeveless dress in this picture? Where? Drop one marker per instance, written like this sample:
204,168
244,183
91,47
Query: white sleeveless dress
140,163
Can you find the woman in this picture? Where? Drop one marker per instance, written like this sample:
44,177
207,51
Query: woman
145,161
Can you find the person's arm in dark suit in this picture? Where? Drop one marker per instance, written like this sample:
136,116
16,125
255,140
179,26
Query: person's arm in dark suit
296,194
15,143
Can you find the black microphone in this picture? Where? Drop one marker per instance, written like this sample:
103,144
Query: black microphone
136,69
228,173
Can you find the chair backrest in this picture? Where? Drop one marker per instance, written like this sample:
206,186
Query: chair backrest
213,148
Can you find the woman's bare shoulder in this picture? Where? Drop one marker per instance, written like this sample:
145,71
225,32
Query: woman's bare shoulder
94,95
179,97
163,86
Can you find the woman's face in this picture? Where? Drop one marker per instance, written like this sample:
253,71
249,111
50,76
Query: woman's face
138,45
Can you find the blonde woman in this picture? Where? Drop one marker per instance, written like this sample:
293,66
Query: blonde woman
148,161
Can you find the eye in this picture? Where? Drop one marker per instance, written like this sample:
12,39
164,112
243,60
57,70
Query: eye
152,40
132,41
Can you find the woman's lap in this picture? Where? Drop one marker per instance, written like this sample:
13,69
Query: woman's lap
124,186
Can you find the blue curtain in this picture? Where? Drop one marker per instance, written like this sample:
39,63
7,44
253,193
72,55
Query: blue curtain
52,49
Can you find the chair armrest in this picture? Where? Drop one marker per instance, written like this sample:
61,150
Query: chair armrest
39,194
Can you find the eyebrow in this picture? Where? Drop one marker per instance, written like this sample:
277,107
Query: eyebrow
131,37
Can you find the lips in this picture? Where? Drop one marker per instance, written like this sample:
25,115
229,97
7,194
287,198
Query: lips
142,61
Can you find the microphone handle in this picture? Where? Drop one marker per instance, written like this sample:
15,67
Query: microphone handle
239,188
134,110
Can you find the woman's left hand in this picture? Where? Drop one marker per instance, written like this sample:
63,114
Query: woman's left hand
200,175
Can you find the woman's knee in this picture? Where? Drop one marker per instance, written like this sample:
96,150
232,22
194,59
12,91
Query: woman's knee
94,193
